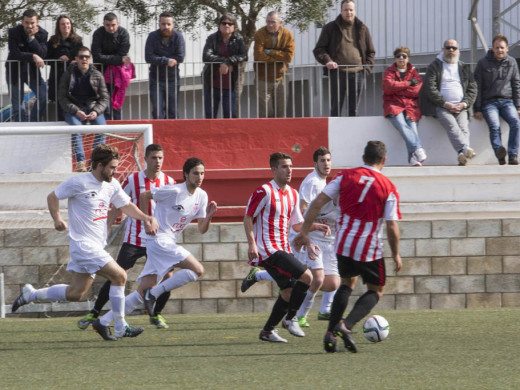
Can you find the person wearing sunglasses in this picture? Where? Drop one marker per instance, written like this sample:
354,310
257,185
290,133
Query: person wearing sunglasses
83,97
223,52
448,93
401,86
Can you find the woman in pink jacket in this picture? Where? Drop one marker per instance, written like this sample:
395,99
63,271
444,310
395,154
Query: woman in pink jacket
401,85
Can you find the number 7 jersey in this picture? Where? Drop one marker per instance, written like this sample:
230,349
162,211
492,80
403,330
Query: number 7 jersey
366,199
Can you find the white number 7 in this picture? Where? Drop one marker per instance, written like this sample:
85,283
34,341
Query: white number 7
367,181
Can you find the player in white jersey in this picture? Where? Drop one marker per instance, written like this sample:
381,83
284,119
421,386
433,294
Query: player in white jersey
175,207
271,209
89,196
133,247
367,198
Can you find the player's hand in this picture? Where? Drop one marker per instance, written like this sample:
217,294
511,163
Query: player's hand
322,227
301,241
60,225
151,226
398,263
211,210
312,251
252,251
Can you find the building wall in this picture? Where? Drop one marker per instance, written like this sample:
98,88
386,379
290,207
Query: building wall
446,264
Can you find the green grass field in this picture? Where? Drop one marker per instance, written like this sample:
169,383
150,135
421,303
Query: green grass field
449,349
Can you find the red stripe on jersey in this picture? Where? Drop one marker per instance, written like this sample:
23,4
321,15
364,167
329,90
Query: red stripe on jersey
100,218
271,222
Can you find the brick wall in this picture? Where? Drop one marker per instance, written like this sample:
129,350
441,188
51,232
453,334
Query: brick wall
446,264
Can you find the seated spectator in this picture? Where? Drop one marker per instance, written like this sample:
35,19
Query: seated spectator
27,43
62,47
448,93
83,97
223,52
401,86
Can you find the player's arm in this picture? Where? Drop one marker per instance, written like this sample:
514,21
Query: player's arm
252,251
303,206
53,203
392,233
302,239
113,214
206,222
150,223
144,201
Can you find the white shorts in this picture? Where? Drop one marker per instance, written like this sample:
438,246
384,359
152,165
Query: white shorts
326,260
87,258
162,254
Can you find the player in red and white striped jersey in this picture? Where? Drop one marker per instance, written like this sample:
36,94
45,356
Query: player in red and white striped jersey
133,248
367,199
270,210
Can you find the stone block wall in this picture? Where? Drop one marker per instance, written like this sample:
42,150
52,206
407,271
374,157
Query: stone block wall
446,264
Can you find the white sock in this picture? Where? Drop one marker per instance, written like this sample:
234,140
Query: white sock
306,304
326,301
263,275
58,292
116,296
132,300
178,279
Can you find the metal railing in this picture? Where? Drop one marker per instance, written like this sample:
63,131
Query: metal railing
304,91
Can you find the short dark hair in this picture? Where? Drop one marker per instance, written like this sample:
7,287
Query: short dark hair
500,37
83,48
110,16
374,153
228,16
275,157
30,13
152,148
103,154
166,14
191,163
346,1
321,151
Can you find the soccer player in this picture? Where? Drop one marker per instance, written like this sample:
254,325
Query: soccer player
89,196
270,210
366,198
133,247
175,207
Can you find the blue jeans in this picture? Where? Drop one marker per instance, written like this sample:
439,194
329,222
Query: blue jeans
492,110
164,94
77,139
17,93
228,102
408,130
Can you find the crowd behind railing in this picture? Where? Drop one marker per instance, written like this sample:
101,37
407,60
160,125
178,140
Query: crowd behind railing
84,93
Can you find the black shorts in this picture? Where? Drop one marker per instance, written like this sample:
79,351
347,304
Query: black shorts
284,268
373,272
129,254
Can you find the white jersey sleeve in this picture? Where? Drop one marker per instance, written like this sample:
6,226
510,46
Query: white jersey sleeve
119,198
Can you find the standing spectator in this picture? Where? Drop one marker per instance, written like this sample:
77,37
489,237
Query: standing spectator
499,96
448,93
401,86
274,50
345,47
223,52
110,46
164,50
27,43
83,97
62,47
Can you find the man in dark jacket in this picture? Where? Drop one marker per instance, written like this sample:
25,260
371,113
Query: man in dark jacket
110,46
345,47
27,44
222,53
164,50
448,93
83,97
499,96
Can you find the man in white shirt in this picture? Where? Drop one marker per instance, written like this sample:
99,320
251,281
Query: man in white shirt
89,197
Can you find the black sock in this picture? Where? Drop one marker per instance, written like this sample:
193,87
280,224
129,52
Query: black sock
339,304
363,306
102,298
277,313
298,294
161,302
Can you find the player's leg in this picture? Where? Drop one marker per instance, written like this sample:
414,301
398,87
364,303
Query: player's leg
331,280
316,267
254,275
156,318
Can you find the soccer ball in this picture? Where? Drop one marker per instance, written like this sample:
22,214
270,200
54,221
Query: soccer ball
376,328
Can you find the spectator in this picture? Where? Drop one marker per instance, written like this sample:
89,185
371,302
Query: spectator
448,93
274,50
499,96
401,86
62,47
110,46
27,43
223,52
83,97
345,47
164,50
